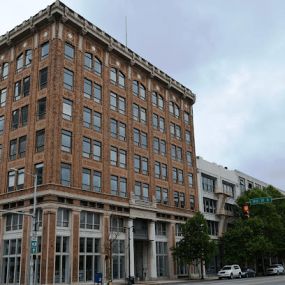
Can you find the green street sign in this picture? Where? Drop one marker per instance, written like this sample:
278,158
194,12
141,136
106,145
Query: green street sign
261,200
34,246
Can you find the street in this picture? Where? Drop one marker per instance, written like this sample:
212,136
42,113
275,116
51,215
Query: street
272,280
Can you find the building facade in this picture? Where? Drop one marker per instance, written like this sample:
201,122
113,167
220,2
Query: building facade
219,187
110,140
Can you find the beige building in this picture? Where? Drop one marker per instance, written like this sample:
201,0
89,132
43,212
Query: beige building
110,139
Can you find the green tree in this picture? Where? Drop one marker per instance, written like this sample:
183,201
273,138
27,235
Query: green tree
196,243
259,236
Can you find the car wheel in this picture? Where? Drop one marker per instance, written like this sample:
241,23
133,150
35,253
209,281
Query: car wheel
232,276
239,276
246,275
277,273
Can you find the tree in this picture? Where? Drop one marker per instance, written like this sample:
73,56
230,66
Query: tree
258,237
196,243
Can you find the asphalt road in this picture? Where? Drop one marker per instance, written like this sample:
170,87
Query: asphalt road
270,280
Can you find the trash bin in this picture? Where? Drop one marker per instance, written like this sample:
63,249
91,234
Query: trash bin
98,277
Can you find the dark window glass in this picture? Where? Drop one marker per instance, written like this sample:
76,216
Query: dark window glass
5,70
43,78
15,119
87,88
40,140
20,62
26,86
13,149
66,140
65,176
22,146
3,97
41,110
39,170
1,124
68,51
28,57
24,115
44,50
68,79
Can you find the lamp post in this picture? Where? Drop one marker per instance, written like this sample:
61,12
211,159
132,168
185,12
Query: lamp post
33,234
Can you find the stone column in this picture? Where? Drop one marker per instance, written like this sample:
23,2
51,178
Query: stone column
152,251
131,248
48,245
74,250
171,244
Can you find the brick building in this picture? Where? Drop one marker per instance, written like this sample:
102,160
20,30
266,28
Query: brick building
110,139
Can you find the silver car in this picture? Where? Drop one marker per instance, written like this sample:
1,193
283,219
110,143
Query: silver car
230,271
275,269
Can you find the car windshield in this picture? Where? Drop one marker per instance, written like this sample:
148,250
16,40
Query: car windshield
226,268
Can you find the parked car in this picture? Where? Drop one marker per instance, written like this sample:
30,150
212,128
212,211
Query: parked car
247,272
275,269
230,271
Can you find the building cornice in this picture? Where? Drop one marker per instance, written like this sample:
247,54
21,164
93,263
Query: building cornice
58,10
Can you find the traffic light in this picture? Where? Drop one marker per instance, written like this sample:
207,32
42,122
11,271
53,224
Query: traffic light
245,211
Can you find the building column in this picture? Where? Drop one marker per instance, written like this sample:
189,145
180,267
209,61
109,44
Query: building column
131,248
152,251
75,246
48,245
170,245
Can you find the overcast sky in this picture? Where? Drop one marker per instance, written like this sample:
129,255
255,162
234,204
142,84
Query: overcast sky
231,54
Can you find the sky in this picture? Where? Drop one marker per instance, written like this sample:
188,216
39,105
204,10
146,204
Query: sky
231,54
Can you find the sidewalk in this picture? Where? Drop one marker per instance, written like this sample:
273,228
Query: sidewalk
175,281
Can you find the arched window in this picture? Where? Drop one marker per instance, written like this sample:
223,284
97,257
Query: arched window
98,66
88,60
174,109
142,92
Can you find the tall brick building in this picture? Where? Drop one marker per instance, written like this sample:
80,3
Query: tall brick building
110,138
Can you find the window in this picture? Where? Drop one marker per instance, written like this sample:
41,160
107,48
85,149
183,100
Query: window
5,70
28,57
210,205
17,91
229,188
118,186
161,195
95,153
43,78
161,259
213,228
117,103
159,146
63,217
140,138
139,90
19,63
68,79
3,96
188,137
89,220
44,50
117,77
65,174
189,158
68,51
160,229
97,150
179,199
158,123
174,109
190,180
117,224
11,261
62,272
208,183
87,117
1,124
157,100
178,230
139,113
118,157
14,222
97,181
118,130
86,147
41,108
186,117
118,259
93,63
175,131
40,140
13,149
141,191
89,258
242,184
176,152
39,171
177,175
160,170
141,164
67,109
92,91
66,141
26,86
192,202
16,179
86,179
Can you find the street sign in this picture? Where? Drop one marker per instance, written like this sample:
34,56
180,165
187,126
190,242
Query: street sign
260,200
34,246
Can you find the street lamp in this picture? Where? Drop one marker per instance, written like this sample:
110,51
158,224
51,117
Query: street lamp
33,234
